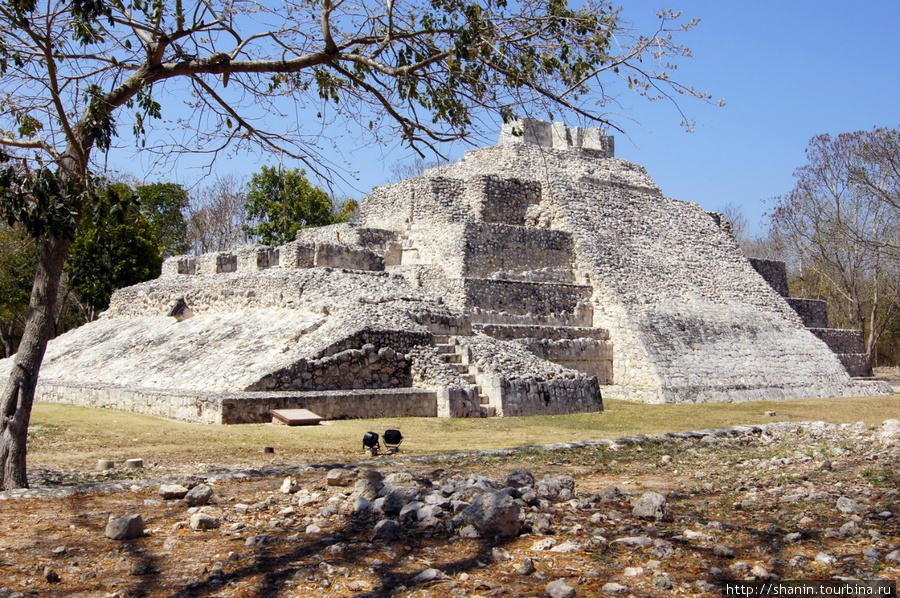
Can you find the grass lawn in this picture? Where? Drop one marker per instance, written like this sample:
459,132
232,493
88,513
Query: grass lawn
65,437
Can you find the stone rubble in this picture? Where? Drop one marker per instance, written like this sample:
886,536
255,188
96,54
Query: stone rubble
605,539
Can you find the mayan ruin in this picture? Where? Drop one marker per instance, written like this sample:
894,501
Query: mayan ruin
538,276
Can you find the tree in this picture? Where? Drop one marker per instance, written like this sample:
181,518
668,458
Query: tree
163,205
421,71
216,215
18,256
840,224
120,248
281,202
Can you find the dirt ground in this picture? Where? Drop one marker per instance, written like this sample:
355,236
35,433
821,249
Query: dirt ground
760,504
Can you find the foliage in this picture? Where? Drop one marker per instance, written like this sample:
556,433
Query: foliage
113,253
18,256
281,202
840,227
163,204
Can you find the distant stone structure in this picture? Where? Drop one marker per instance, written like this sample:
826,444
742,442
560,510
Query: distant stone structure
527,278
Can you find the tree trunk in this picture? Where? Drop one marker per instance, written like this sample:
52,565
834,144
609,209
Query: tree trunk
18,396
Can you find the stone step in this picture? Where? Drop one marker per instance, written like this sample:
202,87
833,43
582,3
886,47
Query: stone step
459,368
484,400
445,349
442,339
488,411
452,358
470,378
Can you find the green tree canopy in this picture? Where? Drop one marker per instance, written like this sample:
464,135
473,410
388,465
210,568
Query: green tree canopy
281,202
164,204
18,259
116,250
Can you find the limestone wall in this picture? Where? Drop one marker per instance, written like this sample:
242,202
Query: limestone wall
556,135
518,397
774,272
813,312
515,297
689,317
841,341
242,408
517,253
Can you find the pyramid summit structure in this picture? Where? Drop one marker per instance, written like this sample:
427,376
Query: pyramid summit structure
532,277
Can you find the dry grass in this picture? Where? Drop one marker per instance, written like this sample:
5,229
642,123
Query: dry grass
65,437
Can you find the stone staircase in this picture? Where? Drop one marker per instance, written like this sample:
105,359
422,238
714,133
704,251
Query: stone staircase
447,348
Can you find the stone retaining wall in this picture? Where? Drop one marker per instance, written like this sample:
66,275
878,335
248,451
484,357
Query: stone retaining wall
517,253
813,312
511,332
515,297
515,398
774,272
243,407
840,340
590,356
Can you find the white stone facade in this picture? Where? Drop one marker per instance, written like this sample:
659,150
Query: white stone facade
527,278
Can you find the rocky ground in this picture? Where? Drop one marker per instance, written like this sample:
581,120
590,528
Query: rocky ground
642,516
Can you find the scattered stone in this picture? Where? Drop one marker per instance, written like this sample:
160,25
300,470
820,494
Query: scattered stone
125,528
560,589
50,575
204,521
289,486
847,506
825,559
198,495
611,494
614,588
526,568
428,575
520,478
652,505
542,524
172,491
141,568
494,514
723,552
135,463
339,477
634,541
500,554
569,546
889,434
387,530
872,553
663,582
849,529
105,464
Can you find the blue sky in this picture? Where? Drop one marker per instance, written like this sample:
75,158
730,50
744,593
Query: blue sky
787,69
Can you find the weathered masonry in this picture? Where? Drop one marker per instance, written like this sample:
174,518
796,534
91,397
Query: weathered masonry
527,278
